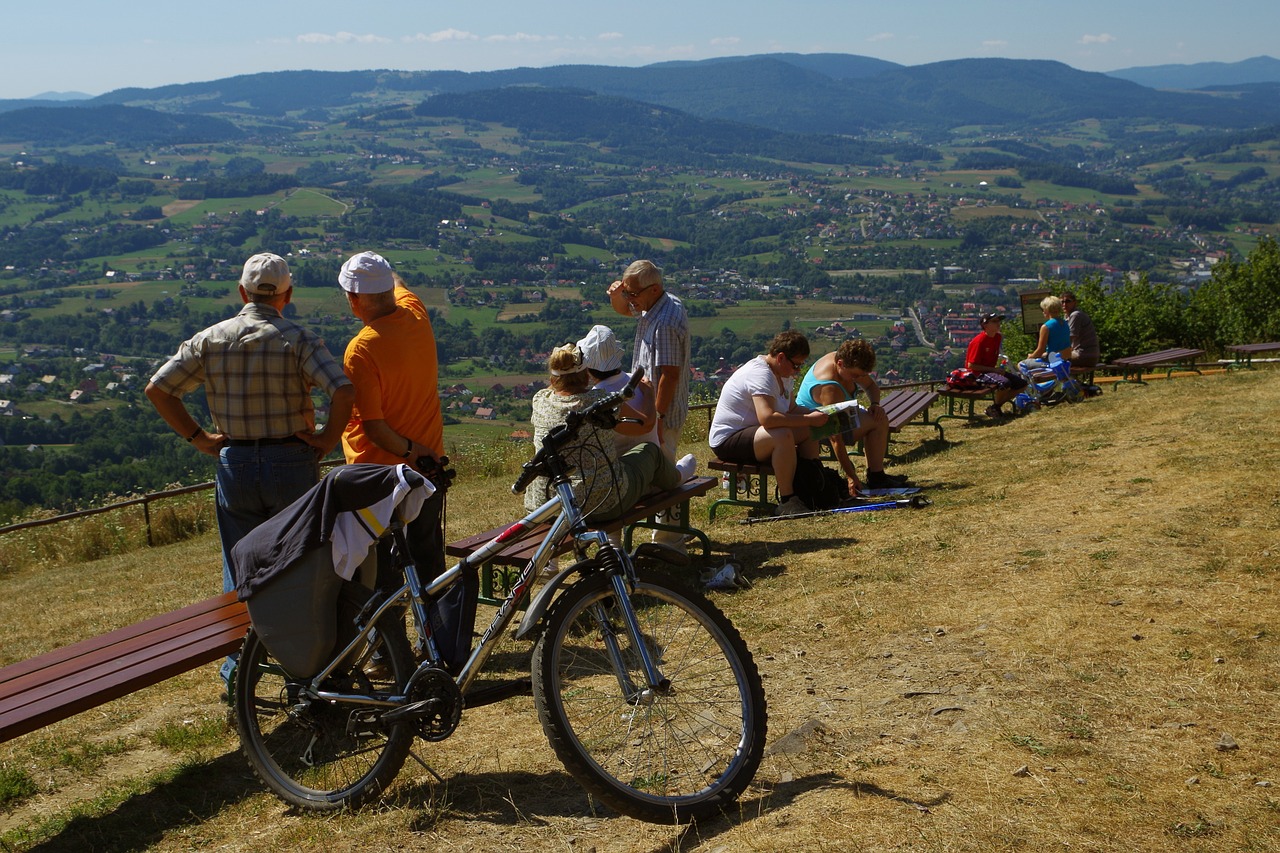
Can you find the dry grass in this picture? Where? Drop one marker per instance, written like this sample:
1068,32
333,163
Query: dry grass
1047,658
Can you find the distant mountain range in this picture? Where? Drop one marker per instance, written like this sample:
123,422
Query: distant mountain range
61,96
837,94
1204,75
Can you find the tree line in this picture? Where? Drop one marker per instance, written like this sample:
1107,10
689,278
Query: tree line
1239,304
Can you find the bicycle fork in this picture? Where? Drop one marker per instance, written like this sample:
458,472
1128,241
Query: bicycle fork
656,683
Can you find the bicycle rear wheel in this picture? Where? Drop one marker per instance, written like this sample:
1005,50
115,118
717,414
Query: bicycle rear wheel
317,755
669,754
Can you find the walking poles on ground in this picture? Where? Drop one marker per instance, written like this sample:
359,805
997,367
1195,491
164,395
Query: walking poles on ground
914,502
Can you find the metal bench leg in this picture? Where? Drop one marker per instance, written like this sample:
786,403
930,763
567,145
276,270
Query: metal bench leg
757,485
683,527
495,583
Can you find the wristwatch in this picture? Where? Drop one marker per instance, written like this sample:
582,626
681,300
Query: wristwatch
408,450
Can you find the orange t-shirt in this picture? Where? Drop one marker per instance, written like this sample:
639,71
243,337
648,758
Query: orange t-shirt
392,363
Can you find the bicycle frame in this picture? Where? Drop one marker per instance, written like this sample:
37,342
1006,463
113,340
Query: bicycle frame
566,518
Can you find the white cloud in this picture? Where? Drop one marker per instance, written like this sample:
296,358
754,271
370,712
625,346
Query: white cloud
520,37
443,35
609,36
726,41
341,38
1100,38
881,37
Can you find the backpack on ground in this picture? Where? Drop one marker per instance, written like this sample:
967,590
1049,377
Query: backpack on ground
818,486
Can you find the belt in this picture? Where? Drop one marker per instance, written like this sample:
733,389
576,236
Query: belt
263,442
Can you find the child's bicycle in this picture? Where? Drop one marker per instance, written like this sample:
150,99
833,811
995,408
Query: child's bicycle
645,690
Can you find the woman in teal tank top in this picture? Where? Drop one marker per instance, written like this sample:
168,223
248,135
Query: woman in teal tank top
835,378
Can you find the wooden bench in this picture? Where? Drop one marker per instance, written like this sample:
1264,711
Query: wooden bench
1168,360
497,574
75,678
1243,353
903,407
1084,374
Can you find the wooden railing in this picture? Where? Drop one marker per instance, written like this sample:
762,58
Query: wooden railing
145,502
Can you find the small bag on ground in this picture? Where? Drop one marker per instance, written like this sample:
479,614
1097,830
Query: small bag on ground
818,486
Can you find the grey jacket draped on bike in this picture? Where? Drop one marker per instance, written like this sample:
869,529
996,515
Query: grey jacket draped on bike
348,510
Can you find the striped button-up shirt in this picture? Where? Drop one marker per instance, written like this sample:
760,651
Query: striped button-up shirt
662,340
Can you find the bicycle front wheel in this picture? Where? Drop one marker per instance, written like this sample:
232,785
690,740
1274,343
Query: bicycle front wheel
665,754
314,754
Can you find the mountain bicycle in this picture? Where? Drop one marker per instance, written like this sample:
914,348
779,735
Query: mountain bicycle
645,690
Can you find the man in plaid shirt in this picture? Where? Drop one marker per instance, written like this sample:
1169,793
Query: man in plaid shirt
258,370
662,349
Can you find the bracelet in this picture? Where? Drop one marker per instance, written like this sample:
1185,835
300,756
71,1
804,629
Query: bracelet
408,450
193,435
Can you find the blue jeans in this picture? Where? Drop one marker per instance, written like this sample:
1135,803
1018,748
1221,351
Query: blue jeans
253,484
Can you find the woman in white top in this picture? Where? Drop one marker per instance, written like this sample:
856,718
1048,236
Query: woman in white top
755,420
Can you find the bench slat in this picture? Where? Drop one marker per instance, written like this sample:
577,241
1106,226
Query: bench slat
903,406
219,606
75,678
127,654
61,699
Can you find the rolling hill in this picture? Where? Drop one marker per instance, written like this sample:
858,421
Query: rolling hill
823,93
1202,75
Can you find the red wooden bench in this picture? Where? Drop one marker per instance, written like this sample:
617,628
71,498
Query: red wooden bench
499,571
748,485
75,678
901,407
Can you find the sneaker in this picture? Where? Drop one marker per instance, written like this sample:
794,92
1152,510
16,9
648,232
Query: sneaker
687,466
993,411
792,506
880,480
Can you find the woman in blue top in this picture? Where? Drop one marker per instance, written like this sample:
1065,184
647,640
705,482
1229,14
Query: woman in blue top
1055,334
836,377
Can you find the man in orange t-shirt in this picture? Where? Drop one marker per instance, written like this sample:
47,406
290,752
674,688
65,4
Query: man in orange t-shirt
397,419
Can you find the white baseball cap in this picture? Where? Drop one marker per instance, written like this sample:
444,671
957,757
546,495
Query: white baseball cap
367,272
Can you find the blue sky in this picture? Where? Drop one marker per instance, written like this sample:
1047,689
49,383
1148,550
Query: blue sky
94,46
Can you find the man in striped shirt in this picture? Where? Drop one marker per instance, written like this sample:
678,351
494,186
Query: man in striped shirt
662,349
257,369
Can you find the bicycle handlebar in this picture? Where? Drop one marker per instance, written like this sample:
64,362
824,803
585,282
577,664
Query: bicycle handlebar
602,413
